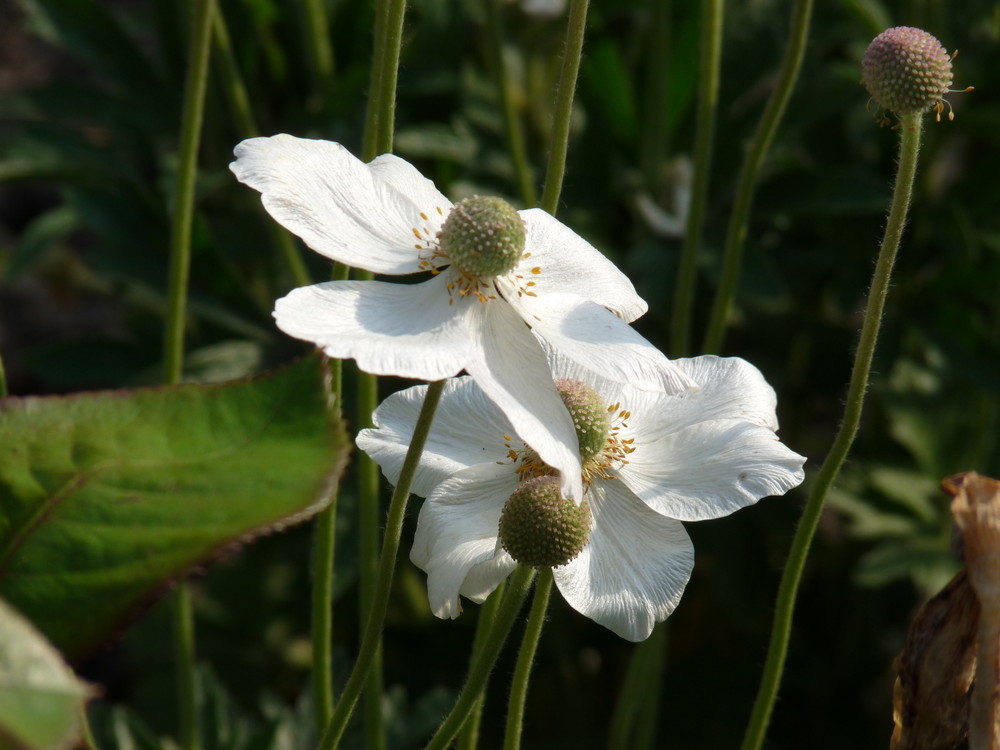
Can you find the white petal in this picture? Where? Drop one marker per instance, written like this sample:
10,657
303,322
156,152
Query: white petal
571,265
408,330
484,577
634,569
711,469
731,388
468,429
344,209
457,529
601,342
510,366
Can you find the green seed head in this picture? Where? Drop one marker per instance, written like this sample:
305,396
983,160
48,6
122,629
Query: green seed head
590,416
483,237
906,71
542,529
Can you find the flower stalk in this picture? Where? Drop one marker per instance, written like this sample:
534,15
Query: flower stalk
559,144
736,232
526,659
479,671
909,148
708,97
195,85
469,738
387,561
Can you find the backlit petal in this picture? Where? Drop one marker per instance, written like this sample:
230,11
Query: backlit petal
408,330
358,214
571,265
711,469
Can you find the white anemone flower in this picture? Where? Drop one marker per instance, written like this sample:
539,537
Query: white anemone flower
385,217
665,459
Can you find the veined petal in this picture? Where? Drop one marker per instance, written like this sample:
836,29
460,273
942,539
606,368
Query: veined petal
711,469
408,330
634,569
468,429
571,265
730,388
602,343
457,529
344,209
510,366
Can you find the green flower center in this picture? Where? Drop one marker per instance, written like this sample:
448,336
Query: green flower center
906,71
542,529
483,236
590,416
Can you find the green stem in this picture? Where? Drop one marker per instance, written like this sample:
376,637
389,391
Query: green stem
650,710
525,660
708,98
180,229
479,671
565,91
173,357
246,125
657,94
736,232
319,49
368,533
908,151
387,561
469,738
634,690
3,380
381,114
512,122
187,688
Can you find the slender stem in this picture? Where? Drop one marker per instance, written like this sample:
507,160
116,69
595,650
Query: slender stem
511,120
656,97
3,380
246,125
525,660
634,689
381,114
322,614
184,655
469,738
368,537
479,671
708,98
736,232
565,91
387,561
319,49
86,732
173,357
792,575
650,710
180,229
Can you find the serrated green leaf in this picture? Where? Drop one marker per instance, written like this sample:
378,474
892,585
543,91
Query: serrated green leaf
107,497
41,700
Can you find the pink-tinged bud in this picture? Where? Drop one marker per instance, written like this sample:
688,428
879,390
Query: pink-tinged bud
907,71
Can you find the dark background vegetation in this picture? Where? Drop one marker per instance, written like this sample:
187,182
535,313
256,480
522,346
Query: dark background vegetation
89,111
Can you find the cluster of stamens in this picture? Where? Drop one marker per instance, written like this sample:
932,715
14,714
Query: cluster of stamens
481,238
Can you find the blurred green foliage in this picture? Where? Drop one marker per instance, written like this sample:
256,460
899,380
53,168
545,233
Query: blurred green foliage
88,125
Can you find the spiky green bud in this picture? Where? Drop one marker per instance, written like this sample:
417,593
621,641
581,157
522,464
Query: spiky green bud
590,416
483,236
906,71
542,529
